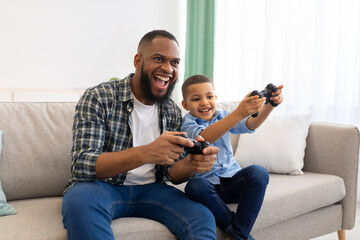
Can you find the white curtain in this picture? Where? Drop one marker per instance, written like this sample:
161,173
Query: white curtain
312,47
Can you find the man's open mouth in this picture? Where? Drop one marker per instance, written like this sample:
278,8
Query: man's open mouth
161,81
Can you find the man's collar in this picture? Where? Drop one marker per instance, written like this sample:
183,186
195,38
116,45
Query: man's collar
125,87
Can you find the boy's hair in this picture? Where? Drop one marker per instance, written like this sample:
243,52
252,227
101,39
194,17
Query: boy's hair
147,38
195,79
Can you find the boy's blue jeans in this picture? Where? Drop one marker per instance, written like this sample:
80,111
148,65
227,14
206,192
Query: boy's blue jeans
89,207
247,188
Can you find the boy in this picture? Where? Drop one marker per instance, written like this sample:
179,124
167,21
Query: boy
226,182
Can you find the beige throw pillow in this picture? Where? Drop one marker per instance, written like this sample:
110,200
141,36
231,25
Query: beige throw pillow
278,145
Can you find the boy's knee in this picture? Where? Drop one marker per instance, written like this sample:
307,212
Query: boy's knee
259,174
197,186
198,181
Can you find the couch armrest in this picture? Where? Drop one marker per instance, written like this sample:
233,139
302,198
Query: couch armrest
334,149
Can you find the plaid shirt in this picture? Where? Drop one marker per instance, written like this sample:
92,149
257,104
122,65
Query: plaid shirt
102,124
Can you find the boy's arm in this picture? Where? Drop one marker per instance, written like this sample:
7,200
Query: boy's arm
248,106
253,123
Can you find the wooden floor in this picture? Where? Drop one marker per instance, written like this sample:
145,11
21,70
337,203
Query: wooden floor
353,234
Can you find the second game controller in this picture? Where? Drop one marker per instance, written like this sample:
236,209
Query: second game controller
198,145
267,93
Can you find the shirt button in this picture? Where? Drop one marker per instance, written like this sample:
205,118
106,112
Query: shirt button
129,109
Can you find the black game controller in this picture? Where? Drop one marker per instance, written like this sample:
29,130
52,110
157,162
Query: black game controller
267,93
198,145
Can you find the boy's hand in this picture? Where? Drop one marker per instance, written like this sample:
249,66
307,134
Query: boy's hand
250,105
202,163
278,97
254,123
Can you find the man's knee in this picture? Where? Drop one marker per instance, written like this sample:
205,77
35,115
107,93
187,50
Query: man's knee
204,224
207,217
80,200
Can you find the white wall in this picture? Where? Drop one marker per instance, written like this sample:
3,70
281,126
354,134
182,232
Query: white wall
75,44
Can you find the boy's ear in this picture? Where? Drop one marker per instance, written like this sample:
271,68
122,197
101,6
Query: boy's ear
183,103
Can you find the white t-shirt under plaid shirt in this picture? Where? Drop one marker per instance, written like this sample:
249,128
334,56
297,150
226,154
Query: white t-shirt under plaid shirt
145,129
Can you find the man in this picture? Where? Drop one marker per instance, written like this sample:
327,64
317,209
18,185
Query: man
124,143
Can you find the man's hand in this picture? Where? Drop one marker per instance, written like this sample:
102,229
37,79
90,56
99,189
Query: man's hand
166,148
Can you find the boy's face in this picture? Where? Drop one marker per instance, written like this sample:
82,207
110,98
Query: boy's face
201,101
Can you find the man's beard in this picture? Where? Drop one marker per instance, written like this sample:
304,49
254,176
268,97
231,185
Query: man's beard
145,84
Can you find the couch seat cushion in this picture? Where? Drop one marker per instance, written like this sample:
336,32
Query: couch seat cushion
286,197
39,218
289,196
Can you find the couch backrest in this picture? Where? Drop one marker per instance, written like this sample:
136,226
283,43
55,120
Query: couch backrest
37,140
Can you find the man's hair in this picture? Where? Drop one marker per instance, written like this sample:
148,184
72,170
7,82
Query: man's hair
147,38
195,79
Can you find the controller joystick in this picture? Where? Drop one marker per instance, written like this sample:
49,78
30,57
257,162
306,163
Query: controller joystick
267,93
198,145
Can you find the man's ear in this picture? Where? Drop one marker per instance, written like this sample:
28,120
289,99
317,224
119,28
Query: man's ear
137,61
216,97
183,103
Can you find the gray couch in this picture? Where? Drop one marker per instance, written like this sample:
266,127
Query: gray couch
35,165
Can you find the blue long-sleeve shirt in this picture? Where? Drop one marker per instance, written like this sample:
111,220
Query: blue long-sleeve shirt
225,164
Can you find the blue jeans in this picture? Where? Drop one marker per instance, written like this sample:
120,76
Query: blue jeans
89,207
247,188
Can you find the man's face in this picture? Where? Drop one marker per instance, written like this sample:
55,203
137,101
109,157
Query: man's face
159,69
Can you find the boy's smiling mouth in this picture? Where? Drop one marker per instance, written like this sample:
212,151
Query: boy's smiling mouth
205,110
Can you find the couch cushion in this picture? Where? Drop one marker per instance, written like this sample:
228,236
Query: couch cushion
5,209
286,197
36,149
42,219
278,145
35,219
289,196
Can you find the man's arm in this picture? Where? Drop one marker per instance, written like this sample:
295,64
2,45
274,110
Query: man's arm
89,160
166,149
